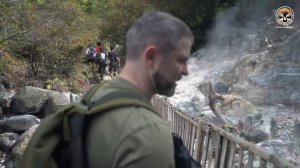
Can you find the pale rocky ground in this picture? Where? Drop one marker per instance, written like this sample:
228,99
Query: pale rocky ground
190,99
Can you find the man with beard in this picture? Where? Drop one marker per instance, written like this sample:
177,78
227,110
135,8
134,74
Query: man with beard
158,47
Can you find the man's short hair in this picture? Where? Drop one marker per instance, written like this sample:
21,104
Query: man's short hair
156,28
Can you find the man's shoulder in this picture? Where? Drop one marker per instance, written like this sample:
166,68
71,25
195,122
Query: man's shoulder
132,116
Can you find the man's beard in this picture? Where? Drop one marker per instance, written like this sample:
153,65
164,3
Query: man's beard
163,86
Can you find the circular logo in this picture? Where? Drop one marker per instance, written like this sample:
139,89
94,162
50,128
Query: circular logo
284,15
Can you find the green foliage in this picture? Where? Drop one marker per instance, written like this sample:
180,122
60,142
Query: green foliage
3,66
49,35
117,18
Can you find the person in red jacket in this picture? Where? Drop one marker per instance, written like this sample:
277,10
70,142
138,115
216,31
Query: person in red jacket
101,59
99,47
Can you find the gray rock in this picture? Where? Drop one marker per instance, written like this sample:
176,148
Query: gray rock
221,87
1,112
19,147
29,100
255,135
74,98
6,99
7,140
56,101
252,128
2,89
18,123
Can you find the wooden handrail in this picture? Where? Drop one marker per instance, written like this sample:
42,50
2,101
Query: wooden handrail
196,135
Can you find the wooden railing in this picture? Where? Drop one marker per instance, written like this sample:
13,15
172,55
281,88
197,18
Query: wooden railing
214,147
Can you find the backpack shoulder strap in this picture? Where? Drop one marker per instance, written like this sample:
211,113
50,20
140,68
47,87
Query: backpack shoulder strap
86,99
79,124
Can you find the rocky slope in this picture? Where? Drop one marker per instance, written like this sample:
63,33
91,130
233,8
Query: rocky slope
254,61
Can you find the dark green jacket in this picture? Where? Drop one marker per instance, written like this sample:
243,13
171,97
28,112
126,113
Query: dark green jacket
129,136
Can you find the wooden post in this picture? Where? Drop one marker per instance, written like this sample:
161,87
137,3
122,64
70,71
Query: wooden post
263,163
192,140
223,153
250,160
231,154
241,154
210,150
199,142
219,143
205,148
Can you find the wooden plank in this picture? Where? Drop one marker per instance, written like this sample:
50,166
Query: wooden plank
205,148
231,155
183,132
170,114
241,155
180,126
176,124
223,153
210,150
219,142
164,110
188,137
192,140
250,160
263,163
186,133
172,121
199,142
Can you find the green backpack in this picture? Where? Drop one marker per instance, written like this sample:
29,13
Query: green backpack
59,140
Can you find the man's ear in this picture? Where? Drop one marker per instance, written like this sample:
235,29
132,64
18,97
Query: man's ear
150,55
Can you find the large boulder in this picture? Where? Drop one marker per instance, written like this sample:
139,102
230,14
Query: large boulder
56,101
251,128
29,100
18,123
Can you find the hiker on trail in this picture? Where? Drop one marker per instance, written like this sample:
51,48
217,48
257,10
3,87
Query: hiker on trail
102,63
90,54
114,61
101,59
98,47
133,136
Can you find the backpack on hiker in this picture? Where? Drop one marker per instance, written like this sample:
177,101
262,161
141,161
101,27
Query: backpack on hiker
59,141
101,58
90,54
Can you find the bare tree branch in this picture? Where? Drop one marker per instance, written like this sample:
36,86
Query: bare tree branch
25,31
